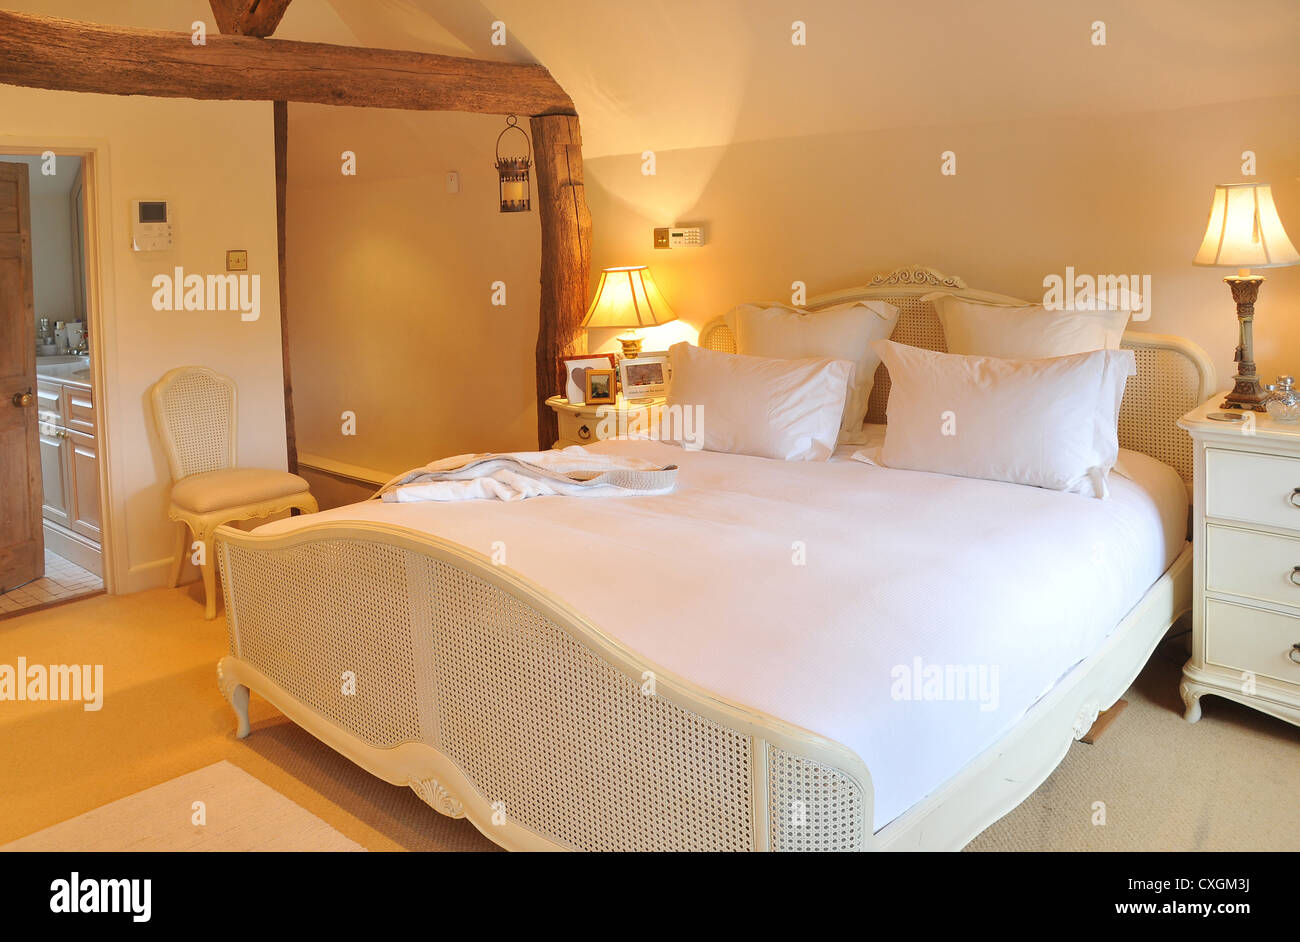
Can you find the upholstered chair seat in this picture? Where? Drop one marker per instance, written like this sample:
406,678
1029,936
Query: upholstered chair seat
194,410
232,487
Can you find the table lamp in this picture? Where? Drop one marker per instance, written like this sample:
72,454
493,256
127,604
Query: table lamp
1244,232
628,297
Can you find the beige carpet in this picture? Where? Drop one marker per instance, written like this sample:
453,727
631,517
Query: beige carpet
237,813
163,717
1227,782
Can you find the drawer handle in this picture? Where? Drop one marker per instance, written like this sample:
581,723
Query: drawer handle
1294,653
585,433
1293,497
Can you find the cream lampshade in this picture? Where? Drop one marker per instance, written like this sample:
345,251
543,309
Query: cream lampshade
628,298
1244,232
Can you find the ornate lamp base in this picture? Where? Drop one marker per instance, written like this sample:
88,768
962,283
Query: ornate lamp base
1247,393
631,347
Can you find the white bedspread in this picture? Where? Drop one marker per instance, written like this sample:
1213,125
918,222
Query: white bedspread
573,472
899,569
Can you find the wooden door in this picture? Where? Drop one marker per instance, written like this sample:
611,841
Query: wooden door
22,540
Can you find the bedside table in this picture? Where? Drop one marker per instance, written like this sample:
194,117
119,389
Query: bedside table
1246,534
581,424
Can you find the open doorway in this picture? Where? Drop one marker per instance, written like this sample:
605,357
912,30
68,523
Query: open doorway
55,544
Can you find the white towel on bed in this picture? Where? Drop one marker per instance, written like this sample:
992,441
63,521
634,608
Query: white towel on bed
571,471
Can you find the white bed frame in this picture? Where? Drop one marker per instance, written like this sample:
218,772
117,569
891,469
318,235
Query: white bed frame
429,666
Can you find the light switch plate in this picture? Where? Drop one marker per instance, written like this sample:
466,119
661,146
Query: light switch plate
453,181
236,259
661,238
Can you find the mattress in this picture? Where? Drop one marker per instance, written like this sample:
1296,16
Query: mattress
913,617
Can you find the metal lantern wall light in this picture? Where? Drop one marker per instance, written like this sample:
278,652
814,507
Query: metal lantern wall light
516,196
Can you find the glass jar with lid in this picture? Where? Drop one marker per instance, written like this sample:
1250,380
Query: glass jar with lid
1283,402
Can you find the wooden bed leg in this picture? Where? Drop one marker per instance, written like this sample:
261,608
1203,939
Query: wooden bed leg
236,694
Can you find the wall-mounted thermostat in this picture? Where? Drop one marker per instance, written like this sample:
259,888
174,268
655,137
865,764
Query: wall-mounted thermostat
679,237
151,225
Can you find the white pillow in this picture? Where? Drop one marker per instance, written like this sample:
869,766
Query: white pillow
784,409
841,332
1026,333
1050,423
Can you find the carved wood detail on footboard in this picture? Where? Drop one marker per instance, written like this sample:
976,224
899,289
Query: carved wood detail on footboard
430,667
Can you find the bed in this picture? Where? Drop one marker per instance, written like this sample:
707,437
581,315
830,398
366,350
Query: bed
752,664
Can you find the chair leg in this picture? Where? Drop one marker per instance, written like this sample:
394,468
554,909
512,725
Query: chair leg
209,569
179,562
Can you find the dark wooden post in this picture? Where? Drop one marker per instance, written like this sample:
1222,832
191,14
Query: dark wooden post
281,194
566,256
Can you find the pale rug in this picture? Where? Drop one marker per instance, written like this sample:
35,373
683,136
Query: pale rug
242,814
1153,781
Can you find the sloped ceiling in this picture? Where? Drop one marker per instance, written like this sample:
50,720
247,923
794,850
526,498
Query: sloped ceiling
668,74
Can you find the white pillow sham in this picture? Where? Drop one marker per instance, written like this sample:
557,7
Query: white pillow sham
1026,333
773,408
1049,423
840,332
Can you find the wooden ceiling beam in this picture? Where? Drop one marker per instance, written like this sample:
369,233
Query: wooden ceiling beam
262,17
245,18
227,13
51,52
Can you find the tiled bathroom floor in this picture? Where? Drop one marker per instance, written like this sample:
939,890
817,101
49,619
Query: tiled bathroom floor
63,580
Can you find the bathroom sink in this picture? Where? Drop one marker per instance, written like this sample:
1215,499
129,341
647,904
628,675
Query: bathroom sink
59,360
71,368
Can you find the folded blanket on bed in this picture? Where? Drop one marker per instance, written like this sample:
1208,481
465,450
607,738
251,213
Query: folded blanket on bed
571,471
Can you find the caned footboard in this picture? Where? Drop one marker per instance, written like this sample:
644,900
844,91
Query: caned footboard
429,666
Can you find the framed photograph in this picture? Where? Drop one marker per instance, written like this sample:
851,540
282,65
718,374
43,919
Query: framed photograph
600,387
644,376
575,373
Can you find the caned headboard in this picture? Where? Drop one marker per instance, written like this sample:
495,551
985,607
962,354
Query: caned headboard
1174,375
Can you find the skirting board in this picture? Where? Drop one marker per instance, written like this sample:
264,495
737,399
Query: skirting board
150,575
74,548
342,469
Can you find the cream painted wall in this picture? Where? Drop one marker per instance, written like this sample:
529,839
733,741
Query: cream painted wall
390,282
215,162
1127,193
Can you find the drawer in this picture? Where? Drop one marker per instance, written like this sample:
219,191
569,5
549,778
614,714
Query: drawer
1253,564
577,428
1250,639
79,409
1242,485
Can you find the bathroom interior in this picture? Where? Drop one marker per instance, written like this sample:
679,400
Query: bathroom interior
65,395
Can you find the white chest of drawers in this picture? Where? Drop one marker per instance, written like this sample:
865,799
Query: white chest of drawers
1246,533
